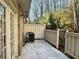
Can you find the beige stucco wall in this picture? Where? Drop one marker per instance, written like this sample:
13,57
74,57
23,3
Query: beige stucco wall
12,2
38,29
21,31
16,34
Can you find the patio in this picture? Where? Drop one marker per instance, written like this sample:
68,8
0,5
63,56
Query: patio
15,21
40,49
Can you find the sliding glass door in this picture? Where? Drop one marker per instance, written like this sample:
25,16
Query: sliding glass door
2,33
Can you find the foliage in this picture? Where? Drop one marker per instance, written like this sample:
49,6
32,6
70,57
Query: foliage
65,19
43,19
52,22
59,17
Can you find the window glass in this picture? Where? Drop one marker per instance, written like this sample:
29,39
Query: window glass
2,33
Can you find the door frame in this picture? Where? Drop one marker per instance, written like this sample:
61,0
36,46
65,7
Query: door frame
12,14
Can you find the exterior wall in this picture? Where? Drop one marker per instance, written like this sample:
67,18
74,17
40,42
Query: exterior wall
12,2
21,31
16,35
8,35
38,29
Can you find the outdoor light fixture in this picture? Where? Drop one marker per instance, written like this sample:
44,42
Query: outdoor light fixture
26,14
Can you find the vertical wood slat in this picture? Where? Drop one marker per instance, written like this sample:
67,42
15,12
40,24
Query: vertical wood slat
72,51
77,48
69,44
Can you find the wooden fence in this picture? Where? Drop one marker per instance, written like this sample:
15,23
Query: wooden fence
52,37
71,41
37,29
72,44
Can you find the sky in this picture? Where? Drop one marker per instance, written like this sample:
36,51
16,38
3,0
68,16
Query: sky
31,13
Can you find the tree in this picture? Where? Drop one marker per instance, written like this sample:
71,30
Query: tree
41,8
47,5
66,18
75,5
54,2
35,8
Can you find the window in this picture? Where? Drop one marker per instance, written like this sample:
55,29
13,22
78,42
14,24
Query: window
2,33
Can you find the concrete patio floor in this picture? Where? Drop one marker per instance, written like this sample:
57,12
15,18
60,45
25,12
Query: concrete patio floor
40,49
